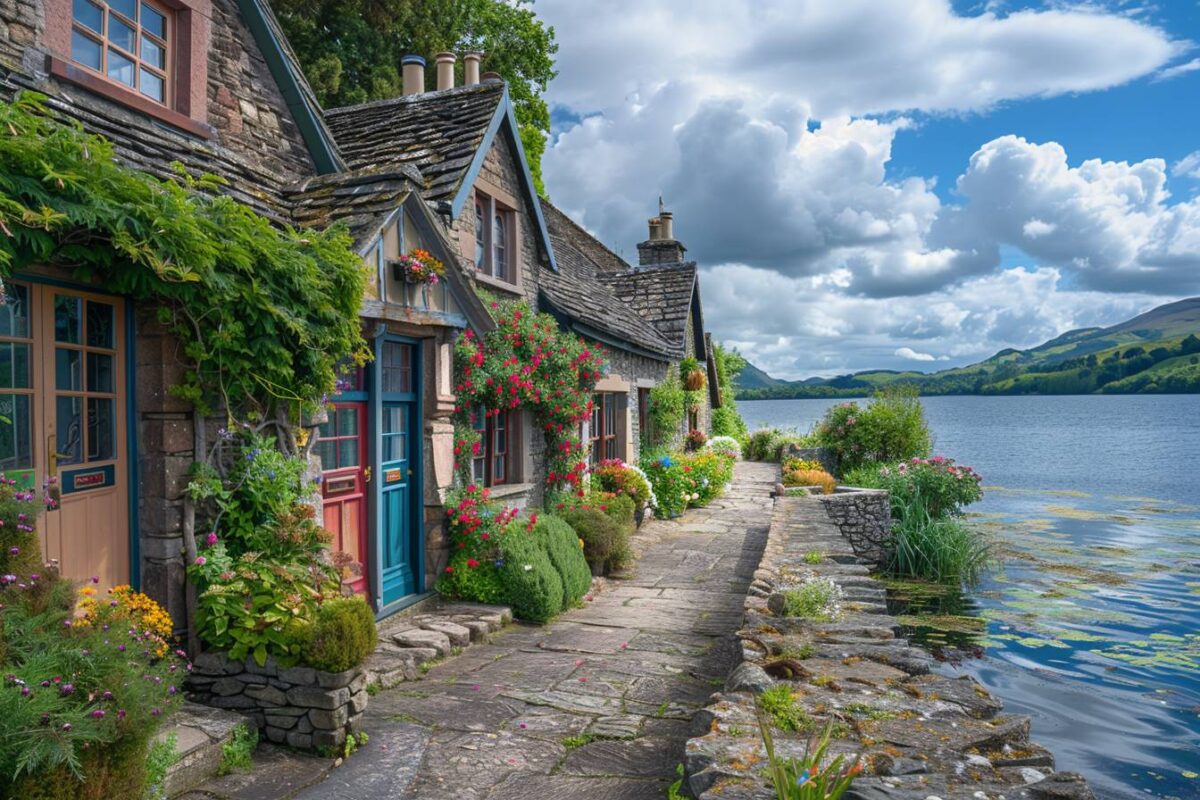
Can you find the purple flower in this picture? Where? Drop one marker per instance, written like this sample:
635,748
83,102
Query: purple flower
211,539
66,689
98,713
14,551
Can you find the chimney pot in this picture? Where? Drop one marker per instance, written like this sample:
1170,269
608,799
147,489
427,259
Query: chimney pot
413,68
471,67
654,228
445,70
489,77
667,225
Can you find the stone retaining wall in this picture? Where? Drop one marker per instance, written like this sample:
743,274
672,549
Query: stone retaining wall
301,707
922,731
824,456
864,517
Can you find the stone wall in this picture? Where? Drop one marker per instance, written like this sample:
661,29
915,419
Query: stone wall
824,456
921,733
864,518
301,707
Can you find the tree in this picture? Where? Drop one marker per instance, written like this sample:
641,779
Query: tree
351,49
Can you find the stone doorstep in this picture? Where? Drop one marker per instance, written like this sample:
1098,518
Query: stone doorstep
409,640
200,733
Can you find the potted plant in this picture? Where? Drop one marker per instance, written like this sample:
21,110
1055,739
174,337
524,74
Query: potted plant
694,378
418,266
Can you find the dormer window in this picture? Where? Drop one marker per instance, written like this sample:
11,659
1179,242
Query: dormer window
497,254
126,41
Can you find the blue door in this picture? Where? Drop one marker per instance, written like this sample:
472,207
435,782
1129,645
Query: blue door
399,544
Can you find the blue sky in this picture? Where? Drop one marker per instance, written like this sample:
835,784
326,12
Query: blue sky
879,184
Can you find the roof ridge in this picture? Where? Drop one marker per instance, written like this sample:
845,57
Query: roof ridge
413,99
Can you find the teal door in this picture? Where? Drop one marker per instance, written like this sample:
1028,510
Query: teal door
399,545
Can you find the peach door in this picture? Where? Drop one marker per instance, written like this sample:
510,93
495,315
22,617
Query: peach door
342,447
62,377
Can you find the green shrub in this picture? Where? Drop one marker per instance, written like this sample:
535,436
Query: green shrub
710,473
617,477
20,544
864,476
237,753
604,531
467,578
938,485
673,487
342,635
763,444
667,408
891,428
533,586
562,546
726,421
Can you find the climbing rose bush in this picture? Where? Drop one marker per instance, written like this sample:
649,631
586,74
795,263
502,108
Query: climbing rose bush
527,362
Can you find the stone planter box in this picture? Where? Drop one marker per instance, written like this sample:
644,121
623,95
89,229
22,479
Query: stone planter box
301,707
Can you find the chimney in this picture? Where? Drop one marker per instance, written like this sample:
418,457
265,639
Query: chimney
489,77
471,67
413,74
662,246
445,71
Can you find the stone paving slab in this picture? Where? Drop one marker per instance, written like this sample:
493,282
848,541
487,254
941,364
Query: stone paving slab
596,704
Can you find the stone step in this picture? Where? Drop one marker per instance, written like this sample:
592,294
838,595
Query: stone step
200,734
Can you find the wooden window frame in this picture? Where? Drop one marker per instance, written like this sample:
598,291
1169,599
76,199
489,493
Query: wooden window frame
603,436
489,203
488,451
643,397
185,105
103,39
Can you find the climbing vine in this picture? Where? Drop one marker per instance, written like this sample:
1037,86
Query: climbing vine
264,313
527,362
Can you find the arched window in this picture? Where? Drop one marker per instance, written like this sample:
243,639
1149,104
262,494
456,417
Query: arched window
500,247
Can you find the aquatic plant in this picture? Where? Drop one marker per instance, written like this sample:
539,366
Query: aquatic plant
943,550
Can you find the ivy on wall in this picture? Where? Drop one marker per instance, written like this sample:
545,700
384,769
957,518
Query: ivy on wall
526,362
668,404
264,313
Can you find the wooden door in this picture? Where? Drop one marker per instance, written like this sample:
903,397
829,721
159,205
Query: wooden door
342,446
399,539
63,403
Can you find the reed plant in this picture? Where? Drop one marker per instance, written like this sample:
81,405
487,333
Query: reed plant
941,549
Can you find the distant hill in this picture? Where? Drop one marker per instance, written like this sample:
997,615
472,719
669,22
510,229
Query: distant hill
1155,352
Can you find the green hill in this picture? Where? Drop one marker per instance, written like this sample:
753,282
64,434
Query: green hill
1155,352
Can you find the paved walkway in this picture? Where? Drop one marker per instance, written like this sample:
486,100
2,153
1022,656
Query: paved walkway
598,704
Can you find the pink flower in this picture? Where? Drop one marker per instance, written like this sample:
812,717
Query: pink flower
201,561
211,539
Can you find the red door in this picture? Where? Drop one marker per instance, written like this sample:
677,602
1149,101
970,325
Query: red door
342,445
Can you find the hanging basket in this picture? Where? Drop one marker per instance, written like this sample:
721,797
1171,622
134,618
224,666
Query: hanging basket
695,380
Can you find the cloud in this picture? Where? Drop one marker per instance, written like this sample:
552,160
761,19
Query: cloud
1177,70
1188,166
913,355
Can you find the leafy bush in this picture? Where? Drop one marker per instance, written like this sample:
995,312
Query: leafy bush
259,606
467,578
725,445
667,408
617,477
864,476
533,586
763,444
672,485
20,545
891,428
818,599
604,523
726,421
710,472
81,696
810,477
566,554
342,635
938,485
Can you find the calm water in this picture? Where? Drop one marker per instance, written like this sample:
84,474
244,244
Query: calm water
1093,608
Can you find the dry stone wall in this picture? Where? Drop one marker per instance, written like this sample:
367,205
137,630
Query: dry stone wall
301,707
864,518
921,731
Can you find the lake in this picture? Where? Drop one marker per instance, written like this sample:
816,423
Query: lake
1092,608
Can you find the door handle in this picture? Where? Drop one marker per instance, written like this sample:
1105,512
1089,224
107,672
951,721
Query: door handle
367,475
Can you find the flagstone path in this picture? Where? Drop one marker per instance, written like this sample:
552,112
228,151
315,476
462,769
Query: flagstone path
597,704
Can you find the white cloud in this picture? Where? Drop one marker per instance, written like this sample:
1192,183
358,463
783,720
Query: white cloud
1188,166
1177,70
913,355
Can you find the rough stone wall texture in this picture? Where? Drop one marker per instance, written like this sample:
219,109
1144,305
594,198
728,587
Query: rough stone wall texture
864,517
632,368
921,733
301,707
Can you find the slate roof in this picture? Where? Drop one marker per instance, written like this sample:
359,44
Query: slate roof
660,294
362,199
439,133
580,290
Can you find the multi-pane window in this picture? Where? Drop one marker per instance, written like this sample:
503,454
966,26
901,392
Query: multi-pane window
126,41
492,465
338,438
396,364
16,382
84,379
603,428
495,224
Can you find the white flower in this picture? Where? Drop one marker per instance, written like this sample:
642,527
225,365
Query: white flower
528,567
